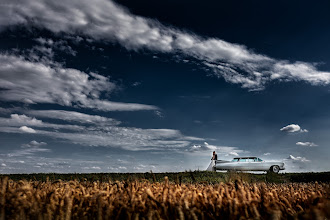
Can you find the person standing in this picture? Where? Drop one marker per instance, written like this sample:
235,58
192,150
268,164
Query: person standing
215,156
214,161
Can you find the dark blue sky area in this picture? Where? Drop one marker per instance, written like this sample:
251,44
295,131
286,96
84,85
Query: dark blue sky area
294,30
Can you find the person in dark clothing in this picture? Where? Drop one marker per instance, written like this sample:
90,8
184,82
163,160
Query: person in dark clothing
214,161
215,156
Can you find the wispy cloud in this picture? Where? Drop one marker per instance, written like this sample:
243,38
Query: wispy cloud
29,149
106,20
38,162
33,160
235,154
297,164
206,148
60,45
36,82
94,130
298,159
72,116
17,120
92,168
306,144
293,128
34,144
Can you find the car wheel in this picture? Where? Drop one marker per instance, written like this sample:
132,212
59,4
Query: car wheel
275,169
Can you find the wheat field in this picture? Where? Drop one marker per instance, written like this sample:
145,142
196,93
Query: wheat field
141,199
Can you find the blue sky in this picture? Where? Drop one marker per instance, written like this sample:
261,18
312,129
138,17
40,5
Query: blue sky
138,86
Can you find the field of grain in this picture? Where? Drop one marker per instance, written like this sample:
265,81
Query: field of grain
141,199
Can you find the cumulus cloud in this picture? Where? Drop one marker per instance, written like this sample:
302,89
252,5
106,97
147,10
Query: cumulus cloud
37,82
16,119
293,128
267,154
107,21
306,144
27,129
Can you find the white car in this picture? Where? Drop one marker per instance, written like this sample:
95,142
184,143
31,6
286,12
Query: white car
247,164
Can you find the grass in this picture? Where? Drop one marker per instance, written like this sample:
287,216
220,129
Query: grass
203,177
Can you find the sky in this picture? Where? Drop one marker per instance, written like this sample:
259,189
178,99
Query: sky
133,86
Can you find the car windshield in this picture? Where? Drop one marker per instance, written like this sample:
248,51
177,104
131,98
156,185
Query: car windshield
259,160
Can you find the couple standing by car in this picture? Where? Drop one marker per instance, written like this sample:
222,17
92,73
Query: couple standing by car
213,162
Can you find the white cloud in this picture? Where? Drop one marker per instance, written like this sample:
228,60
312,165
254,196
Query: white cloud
159,114
45,50
5,110
104,20
266,154
23,120
135,84
232,154
306,144
220,150
34,144
37,82
204,147
29,149
60,45
27,129
46,164
293,128
95,130
92,168
298,159
72,116
44,41
124,137
297,164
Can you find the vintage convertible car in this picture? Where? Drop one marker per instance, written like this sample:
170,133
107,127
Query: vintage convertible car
247,164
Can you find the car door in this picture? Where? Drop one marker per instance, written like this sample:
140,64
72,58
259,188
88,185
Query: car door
241,164
253,164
